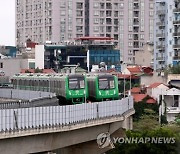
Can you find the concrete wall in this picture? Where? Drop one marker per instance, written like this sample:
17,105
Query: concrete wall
160,90
48,140
144,57
148,80
39,56
173,77
13,66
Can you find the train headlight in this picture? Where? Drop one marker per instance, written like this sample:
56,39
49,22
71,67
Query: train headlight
99,93
69,93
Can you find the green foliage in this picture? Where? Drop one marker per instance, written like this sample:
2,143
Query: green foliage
142,108
37,70
27,71
164,119
146,122
178,119
136,85
173,70
149,148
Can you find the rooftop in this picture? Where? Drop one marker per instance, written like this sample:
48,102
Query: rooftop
154,85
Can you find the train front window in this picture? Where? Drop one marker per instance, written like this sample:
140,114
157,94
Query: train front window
81,84
103,84
111,83
106,83
76,83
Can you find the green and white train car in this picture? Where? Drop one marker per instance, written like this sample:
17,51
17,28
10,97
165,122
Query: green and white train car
102,87
70,89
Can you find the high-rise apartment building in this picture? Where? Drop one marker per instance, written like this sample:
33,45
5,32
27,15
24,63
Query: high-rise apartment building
176,34
167,30
129,22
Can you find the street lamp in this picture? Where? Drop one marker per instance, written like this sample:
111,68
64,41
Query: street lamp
124,86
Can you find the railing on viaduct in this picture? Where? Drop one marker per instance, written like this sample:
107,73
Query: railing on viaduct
24,119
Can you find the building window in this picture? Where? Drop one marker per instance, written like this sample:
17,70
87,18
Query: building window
96,20
151,5
142,36
96,28
130,44
151,13
130,28
130,36
1,65
79,5
96,5
96,13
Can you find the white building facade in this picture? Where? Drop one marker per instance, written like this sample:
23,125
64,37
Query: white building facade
166,32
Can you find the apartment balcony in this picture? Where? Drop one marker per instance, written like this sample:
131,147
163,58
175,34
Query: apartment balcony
136,47
176,34
136,1
173,110
161,12
160,24
136,39
160,58
136,15
176,22
162,35
160,46
176,57
136,7
176,46
135,24
177,10
109,23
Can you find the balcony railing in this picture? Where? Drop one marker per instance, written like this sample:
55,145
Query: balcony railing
160,24
176,46
161,12
177,10
160,46
177,34
160,35
176,57
176,22
160,58
173,110
136,7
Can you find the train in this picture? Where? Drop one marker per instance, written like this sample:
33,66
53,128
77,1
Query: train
102,87
70,89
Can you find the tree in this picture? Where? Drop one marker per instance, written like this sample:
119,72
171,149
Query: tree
27,71
37,70
173,70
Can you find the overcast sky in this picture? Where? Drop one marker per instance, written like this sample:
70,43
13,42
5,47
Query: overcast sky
7,22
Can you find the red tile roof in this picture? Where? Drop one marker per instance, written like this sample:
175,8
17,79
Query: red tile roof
32,71
135,70
126,76
154,85
135,90
48,71
139,97
151,101
111,70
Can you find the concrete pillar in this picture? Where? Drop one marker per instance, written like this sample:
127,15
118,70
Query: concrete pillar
84,148
90,147
128,123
